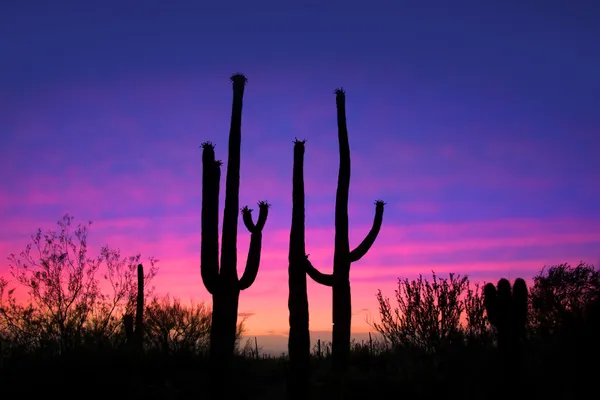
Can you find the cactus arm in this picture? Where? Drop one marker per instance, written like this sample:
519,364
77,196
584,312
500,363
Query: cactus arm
490,302
368,241
504,297
262,216
209,247
263,213
247,218
520,302
316,275
253,260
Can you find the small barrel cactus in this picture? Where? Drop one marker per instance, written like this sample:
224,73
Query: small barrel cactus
507,309
507,312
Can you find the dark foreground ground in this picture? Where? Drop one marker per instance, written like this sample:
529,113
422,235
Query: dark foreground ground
468,373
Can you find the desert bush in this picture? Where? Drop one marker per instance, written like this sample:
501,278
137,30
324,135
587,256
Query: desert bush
173,327
64,305
433,314
563,298
565,319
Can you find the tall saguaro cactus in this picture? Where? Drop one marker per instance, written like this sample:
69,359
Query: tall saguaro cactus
222,280
343,257
299,337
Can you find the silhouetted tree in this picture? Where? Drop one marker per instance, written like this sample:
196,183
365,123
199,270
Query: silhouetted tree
122,276
477,328
563,297
222,280
299,336
20,325
339,280
428,314
65,304
565,318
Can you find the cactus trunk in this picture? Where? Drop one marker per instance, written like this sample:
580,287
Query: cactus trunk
222,280
299,336
223,327
342,302
139,309
342,319
134,328
339,280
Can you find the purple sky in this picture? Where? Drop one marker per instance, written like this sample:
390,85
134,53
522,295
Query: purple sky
478,124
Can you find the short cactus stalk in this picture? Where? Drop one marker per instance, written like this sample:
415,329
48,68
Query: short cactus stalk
134,328
299,336
139,308
221,278
507,311
339,280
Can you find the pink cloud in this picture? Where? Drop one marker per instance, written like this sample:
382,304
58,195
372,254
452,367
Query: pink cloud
179,258
157,212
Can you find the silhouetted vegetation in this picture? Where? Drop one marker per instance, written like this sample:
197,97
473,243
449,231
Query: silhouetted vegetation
66,305
221,278
135,334
299,335
428,315
437,341
507,310
93,324
67,318
339,280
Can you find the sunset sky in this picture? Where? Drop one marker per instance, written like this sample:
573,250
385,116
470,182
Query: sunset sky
477,122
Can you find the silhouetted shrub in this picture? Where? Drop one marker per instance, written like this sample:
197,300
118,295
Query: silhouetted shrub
563,298
432,315
65,306
172,327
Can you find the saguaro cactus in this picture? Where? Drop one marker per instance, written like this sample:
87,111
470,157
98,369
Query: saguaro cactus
343,257
139,307
507,312
299,336
222,281
135,333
